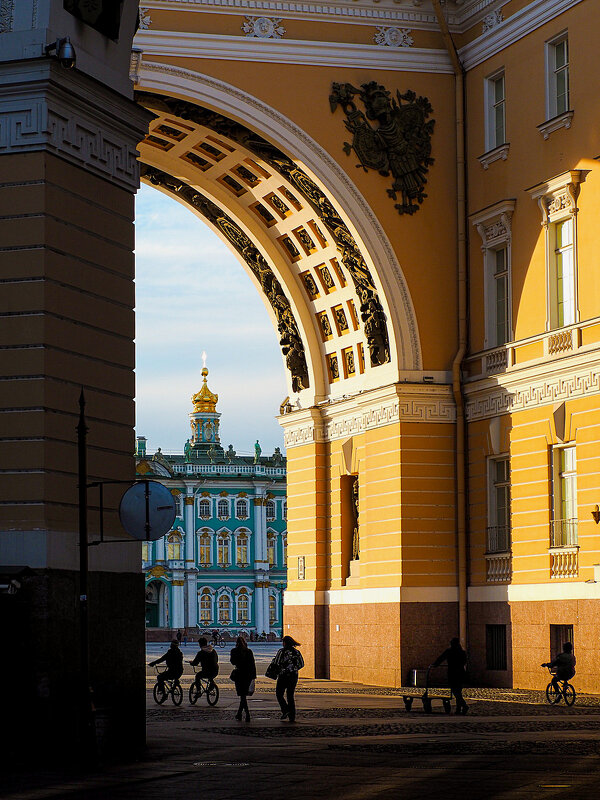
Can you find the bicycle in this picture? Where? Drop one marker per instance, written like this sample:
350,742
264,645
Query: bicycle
170,686
565,691
207,686
220,642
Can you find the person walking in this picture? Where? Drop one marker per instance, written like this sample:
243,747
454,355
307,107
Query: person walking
289,661
243,675
179,636
456,659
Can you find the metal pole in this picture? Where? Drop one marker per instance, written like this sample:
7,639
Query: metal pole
86,719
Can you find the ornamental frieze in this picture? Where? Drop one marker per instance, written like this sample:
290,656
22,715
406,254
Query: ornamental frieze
371,311
399,145
290,340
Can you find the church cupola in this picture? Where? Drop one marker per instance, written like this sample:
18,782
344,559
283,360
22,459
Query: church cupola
204,419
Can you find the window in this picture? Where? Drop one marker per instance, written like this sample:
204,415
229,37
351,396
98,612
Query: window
270,510
223,509
494,226
243,607
557,76
178,505
562,275
495,647
241,558
241,509
498,532
495,102
559,634
174,547
564,513
284,544
204,509
204,542
145,551
284,509
223,550
224,609
271,545
272,609
206,607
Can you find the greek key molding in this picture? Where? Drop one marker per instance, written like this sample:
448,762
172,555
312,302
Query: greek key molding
532,389
398,403
87,132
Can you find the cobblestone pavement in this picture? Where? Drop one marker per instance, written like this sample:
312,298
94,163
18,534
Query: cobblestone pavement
349,742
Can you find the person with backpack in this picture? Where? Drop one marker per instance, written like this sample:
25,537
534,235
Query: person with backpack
288,662
209,662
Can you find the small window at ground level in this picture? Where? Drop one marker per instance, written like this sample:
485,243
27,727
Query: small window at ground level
495,647
559,634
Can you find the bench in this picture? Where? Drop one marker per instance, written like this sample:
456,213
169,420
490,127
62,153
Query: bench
429,696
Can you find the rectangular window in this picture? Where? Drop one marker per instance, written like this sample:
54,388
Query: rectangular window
498,532
564,498
564,274
495,647
559,634
495,102
145,551
500,327
557,76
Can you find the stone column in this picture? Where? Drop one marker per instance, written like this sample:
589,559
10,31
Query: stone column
259,609
190,535
177,616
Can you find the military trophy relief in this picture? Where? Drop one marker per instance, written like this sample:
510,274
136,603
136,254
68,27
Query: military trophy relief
398,145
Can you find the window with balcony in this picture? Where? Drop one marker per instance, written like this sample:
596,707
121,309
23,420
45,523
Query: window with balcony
206,607
498,532
563,531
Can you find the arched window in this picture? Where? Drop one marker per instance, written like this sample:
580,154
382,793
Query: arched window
284,543
206,607
224,609
241,558
204,509
241,509
243,607
284,509
271,545
177,499
204,542
270,510
272,609
223,509
223,550
174,547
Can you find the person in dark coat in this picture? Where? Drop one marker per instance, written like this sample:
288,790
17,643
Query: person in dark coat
242,659
289,660
456,659
209,662
174,661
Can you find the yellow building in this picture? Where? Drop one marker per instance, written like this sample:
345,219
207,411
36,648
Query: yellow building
437,307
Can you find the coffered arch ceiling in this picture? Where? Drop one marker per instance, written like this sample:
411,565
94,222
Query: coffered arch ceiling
339,332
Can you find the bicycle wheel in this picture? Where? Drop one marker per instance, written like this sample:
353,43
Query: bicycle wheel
212,695
569,694
177,694
159,693
552,695
194,693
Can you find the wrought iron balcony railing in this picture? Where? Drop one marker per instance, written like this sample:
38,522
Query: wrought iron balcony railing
563,533
498,539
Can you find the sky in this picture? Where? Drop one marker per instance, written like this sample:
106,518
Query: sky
193,295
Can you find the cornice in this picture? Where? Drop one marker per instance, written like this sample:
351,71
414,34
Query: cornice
292,51
390,404
523,22
543,384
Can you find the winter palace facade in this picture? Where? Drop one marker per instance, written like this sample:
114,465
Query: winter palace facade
223,564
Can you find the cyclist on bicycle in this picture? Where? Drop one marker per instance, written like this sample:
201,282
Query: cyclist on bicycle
174,661
563,666
209,662
216,636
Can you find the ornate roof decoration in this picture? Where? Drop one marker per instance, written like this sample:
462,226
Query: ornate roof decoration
205,400
263,27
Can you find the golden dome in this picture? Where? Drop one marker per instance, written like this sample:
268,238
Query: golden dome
205,400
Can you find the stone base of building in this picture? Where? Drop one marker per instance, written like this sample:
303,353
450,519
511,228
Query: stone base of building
382,643
39,626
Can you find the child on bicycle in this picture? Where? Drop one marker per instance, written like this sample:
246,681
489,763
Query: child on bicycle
563,666
209,662
174,661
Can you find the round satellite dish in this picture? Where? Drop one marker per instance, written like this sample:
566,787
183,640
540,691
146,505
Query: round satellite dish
147,510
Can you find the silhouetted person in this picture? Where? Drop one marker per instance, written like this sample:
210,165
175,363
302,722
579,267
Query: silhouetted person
289,660
209,662
563,665
456,658
179,636
174,661
242,659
